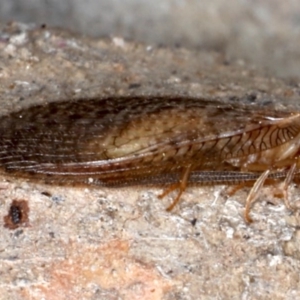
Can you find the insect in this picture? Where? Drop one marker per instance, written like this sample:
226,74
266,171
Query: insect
120,141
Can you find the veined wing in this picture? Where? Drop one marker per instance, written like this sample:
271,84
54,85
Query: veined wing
137,136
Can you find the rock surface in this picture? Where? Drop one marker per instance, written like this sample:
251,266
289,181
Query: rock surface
84,243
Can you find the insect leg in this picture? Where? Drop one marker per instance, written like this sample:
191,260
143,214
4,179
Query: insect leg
289,177
253,194
181,185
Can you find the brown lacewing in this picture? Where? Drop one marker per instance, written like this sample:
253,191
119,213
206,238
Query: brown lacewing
121,141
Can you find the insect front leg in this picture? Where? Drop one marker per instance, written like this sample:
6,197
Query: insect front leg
289,178
260,182
253,194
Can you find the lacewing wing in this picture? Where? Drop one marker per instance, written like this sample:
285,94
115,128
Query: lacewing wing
121,141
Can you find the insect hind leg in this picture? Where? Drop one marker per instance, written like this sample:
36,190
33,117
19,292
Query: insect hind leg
181,185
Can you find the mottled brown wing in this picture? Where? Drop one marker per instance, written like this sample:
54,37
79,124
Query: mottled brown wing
116,139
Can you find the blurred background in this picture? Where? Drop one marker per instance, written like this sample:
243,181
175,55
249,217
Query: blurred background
265,33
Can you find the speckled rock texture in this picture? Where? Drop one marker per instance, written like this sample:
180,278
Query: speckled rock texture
101,243
266,33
